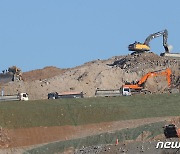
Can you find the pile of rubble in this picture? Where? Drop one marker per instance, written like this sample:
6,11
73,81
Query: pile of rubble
131,147
90,149
142,61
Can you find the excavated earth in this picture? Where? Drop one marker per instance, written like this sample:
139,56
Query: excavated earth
103,74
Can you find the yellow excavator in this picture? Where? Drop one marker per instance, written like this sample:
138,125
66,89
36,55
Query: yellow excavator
142,47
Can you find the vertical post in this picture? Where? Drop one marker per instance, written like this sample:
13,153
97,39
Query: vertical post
2,92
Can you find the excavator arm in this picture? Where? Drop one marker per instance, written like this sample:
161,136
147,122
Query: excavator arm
141,47
139,84
165,36
166,73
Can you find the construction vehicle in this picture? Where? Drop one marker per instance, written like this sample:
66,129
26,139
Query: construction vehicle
138,87
17,97
17,73
23,97
55,95
107,93
142,47
171,131
11,74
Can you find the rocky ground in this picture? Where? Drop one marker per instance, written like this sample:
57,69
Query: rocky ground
103,74
130,147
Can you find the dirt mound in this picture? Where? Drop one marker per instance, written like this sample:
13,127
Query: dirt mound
149,62
102,74
41,74
134,63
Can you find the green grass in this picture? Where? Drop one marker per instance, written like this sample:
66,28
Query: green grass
88,110
104,138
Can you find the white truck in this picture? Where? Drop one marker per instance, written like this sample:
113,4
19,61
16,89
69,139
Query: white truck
18,97
126,91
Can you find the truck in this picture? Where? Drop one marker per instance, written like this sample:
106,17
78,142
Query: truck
56,95
107,92
16,97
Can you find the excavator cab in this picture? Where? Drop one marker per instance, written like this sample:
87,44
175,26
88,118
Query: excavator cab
126,91
139,47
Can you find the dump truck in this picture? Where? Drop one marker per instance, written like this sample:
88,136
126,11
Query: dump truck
16,97
138,87
56,95
108,92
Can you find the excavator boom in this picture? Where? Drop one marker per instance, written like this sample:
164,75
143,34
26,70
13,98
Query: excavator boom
166,73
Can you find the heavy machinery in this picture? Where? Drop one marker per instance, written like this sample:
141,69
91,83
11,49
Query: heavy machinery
171,131
11,74
138,87
17,74
142,47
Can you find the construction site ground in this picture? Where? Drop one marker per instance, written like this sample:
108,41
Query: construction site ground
80,125
29,126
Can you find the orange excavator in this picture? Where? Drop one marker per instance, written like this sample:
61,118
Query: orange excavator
128,88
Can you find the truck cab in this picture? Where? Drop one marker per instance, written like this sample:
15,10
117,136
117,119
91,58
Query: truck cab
23,96
53,95
126,91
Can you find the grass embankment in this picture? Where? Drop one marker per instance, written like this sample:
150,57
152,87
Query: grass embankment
105,138
88,110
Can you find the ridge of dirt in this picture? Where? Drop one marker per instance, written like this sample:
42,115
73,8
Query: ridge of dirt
41,74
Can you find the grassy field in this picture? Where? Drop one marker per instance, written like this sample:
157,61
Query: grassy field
105,138
88,110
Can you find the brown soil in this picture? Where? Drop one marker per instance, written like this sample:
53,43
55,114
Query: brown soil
39,135
41,74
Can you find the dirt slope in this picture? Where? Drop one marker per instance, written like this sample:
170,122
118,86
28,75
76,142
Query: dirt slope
41,74
39,135
103,74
